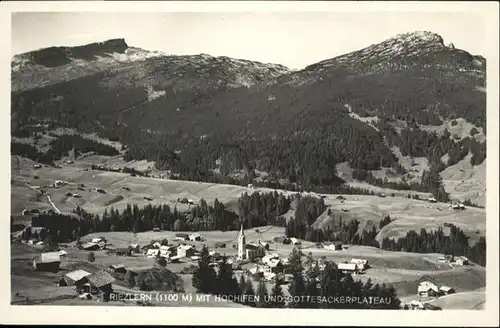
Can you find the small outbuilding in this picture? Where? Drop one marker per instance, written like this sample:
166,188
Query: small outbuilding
445,290
101,282
47,262
76,278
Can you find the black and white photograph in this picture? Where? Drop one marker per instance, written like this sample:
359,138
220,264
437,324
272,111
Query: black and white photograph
265,160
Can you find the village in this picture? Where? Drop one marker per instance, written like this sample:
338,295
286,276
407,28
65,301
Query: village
257,260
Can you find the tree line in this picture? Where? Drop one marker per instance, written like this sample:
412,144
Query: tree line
455,244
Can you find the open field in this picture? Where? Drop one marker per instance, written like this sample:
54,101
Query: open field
462,301
409,214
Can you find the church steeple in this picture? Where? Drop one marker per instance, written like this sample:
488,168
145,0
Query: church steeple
242,253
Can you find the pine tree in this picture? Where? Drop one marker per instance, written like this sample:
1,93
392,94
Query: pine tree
262,295
204,277
277,297
226,283
249,292
297,288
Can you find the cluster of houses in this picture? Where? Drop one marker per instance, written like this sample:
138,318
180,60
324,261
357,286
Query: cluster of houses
429,289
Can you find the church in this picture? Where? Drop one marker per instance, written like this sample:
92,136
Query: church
250,251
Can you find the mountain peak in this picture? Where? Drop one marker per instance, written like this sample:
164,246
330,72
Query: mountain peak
418,48
419,37
62,55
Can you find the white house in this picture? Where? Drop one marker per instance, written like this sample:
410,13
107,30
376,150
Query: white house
348,267
152,252
97,240
432,200
165,251
335,246
195,237
362,264
416,305
269,258
185,251
446,290
427,288
295,241
461,260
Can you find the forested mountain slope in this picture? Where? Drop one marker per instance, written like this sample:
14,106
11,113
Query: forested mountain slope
205,118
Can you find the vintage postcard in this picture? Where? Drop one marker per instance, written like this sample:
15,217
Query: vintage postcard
243,162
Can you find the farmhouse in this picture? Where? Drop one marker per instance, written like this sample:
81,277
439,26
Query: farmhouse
101,282
335,246
461,260
181,236
195,237
155,245
427,288
135,248
90,246
118,268
185,251
295,241
269,257
58,183
446,290
47,262
98,240
152,252
63,253
416,305
166,251
76,278
362,264
348,267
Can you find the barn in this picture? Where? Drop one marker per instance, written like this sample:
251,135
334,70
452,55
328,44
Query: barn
100,282
76,278
47,262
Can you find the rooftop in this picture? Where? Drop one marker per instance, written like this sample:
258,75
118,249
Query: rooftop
77,274
49,257
101,278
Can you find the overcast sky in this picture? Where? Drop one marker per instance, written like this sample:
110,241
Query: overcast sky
291,39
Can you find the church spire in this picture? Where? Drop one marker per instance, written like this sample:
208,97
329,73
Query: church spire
242,233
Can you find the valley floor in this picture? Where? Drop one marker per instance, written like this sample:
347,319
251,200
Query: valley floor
403,270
